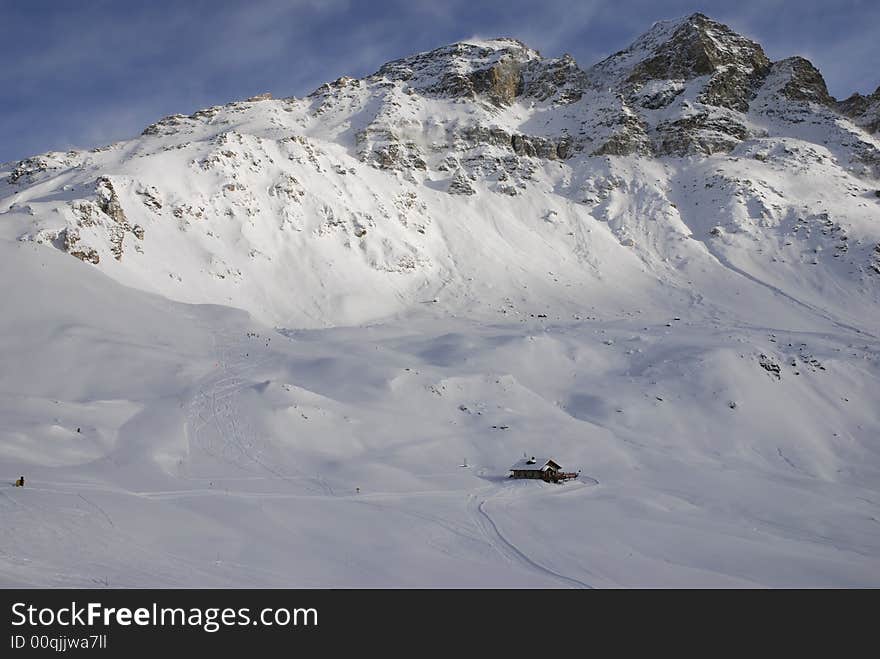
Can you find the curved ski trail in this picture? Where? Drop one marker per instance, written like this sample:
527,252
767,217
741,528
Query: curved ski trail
509,550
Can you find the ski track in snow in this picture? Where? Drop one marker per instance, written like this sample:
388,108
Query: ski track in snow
821,313
506,548
213,405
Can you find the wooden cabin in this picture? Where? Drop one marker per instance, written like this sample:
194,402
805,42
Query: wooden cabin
545,469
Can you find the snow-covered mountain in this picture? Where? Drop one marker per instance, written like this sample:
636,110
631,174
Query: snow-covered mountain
443,171
665,266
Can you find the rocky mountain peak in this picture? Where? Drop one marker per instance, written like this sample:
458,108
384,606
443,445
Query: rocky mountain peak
700,46
802,81
495,70
686,49
491,68
863,110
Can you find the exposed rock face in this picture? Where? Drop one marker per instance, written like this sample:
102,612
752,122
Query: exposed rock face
95,223
864,110
699,133
734,86
108,201
702,75
499,71
630,139
855,105
683,51
485,135
167,125
805,83
540,147
70,239
29,168
465,70
629,134
560,80
700,46
500,83
383,149
460,184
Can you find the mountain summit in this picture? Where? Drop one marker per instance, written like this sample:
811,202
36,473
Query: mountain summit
687,49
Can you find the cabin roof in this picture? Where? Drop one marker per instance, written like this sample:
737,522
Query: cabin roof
534,464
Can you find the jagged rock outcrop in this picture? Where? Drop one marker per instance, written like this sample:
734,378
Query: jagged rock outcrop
628,138
501,83
498,71
700,46
540,147
94,224
108,201
803,81
460,184
684,50
699,133
70,239
473,136
560,80
863,110
384,150
29,169
705,78
166,125
465,70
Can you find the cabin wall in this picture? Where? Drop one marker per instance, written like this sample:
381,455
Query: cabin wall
548,475
531,473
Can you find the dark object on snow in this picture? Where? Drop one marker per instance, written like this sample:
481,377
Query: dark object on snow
20,482
547,470
769,365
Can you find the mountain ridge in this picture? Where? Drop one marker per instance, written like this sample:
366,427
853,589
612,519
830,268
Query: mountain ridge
365,174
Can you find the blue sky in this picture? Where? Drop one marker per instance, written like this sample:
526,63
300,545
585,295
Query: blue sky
80,73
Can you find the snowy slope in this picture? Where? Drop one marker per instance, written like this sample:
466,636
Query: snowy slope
290,321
